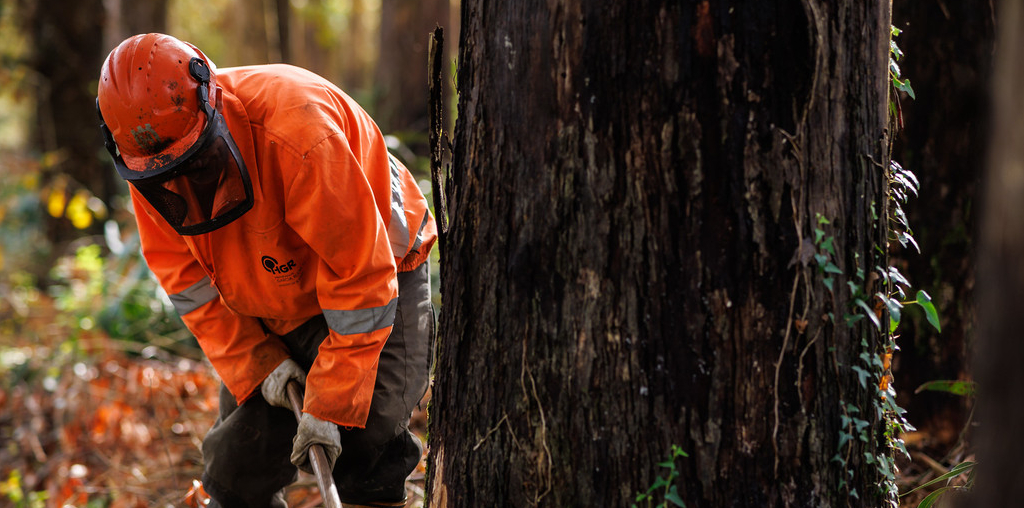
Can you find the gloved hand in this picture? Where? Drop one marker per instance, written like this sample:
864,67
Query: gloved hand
273,387
313,430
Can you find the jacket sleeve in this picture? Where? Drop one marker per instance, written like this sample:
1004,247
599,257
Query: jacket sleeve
330,203
242,353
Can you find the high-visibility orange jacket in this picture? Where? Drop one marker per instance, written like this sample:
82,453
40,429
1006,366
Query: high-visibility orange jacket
335,217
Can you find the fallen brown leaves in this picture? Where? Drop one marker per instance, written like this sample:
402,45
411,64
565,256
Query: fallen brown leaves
87,422
119,431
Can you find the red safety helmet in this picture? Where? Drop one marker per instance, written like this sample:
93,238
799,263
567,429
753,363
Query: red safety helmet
162,126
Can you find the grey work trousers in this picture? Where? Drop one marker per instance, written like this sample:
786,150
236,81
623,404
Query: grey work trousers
246,452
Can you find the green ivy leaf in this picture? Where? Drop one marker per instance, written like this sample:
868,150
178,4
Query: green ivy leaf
894,311
827,245
964,388
862,375
869,313
906,183
930,499
930,313
851,319
905,238
844,437
898,277
885,468
898,194
673,495
910,176
895,50
905,86
955,471
901,217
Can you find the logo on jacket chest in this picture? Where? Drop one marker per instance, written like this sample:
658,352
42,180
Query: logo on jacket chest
284,272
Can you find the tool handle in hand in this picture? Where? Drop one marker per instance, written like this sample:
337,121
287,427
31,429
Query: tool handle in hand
317,457
295,397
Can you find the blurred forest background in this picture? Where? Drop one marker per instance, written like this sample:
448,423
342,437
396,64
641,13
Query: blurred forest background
104,396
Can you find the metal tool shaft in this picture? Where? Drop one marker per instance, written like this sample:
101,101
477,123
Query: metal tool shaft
317,457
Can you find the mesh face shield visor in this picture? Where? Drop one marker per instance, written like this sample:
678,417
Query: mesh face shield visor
206,187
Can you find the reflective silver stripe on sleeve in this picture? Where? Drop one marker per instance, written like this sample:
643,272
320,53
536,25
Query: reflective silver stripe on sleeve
346,322
419,234
398,229
195,296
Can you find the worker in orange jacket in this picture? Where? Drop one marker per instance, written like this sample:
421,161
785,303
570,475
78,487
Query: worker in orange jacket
295,247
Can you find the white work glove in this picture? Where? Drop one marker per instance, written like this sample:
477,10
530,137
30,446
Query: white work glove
313,430
274,386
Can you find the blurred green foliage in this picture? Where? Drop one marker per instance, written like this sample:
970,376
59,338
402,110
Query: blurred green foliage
115,291
15,79
21,238
13,490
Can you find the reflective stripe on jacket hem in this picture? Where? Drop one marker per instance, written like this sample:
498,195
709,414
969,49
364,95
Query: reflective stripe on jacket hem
347,322
195,296
419,234
398,229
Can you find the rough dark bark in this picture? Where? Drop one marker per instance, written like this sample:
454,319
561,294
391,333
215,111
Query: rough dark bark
948,47
435,64
1001,278
633,199
401,70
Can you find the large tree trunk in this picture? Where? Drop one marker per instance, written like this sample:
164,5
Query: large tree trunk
282,15
247,26
631,261
402,67
129,17
1001,278
948,47
66,37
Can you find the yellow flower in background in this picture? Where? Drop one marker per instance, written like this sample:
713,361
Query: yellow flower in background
78,210
56,201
